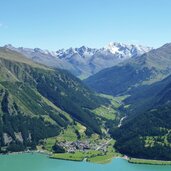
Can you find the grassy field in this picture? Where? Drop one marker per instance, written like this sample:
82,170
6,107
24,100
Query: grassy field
151,162
106,157
110,112
91,156
101,159
77,156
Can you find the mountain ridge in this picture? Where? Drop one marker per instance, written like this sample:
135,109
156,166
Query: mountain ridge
145,69
83,61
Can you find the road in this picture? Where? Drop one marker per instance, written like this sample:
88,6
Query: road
105,144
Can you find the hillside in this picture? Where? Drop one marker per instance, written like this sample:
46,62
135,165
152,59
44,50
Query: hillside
148,96
147,136
125,77
145,132
147,125
38,102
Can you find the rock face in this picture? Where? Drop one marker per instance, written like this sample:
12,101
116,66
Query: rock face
84,61
7,139
18,136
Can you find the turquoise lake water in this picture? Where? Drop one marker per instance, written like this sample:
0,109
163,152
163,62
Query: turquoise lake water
38,162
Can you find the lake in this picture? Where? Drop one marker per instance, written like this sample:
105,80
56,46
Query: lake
39,162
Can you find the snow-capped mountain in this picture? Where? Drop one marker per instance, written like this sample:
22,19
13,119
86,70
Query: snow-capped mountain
126,51
83,61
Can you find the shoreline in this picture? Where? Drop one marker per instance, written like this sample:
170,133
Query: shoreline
148,161
129,159
29,152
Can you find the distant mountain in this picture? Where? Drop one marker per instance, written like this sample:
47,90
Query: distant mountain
37,102
83,61
134,72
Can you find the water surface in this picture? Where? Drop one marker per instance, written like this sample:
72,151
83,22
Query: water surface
38,162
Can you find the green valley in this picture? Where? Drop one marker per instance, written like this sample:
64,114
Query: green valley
145,82
54,112
38,102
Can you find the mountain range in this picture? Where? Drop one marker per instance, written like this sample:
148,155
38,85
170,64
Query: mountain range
37,102
39,97
83,61
132,73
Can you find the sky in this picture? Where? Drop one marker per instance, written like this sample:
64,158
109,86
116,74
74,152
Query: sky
55,24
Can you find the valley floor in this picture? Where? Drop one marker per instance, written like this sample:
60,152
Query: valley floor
98,151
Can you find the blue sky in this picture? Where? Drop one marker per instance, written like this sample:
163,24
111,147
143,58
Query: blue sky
54,24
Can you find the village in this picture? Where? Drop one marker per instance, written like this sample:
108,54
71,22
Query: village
86,145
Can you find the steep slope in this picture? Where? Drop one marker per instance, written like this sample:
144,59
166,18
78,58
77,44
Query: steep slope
146,136
147,126
37,102
83,61
145,132
148,96
143,70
